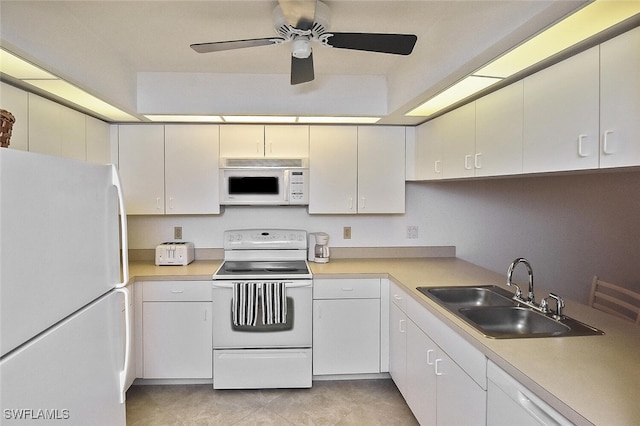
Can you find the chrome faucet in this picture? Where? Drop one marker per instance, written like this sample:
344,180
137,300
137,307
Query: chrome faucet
530,297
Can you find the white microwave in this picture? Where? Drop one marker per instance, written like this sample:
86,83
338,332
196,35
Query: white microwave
264,181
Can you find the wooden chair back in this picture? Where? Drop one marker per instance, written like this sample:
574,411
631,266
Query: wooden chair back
616,300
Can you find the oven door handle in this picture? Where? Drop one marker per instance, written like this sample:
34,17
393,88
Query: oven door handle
287,284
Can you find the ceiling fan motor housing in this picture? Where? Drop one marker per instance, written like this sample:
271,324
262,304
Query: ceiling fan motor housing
286,31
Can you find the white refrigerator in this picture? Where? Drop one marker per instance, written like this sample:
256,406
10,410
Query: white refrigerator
64,337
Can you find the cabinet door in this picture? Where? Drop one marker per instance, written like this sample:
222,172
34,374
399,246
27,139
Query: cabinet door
98,141
44,126
381,177
346,336
455,387
177,340
333,156
141,166
72,134
561,115
428,152
191,169
286,141
15,101
398,348
458,132
421,378
55,129
241,141
620,100
499,118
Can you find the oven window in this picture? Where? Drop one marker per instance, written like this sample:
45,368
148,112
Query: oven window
260,185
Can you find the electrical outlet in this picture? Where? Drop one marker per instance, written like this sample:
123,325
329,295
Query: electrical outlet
346,233
177,232
412,232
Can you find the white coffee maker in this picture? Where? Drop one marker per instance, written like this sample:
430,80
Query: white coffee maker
318,247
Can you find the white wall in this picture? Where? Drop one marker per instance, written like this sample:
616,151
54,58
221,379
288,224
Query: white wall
206,231
569,227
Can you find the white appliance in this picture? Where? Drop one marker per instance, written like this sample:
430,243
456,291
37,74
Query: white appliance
175,253
264,181
264,354
318,247
64,339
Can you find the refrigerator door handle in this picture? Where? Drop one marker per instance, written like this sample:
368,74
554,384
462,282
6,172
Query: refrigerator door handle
123,227
127,343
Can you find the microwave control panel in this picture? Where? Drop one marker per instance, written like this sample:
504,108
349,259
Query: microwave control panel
298,187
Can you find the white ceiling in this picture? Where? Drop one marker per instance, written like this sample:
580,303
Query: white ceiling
136,55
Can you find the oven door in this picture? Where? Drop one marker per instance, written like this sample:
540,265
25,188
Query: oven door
296,332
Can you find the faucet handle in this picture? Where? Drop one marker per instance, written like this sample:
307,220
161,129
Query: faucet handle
559,304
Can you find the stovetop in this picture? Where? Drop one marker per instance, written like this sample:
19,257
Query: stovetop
263,270
264,254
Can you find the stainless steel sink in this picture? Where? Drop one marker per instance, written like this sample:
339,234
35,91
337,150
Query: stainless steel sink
513,321
470,296
493,311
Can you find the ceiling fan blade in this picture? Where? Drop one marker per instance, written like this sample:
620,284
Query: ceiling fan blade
397,44
299,13
218,46
301,69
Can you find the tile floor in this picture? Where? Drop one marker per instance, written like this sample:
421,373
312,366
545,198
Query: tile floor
344,402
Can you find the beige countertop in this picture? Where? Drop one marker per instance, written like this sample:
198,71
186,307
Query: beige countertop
590,380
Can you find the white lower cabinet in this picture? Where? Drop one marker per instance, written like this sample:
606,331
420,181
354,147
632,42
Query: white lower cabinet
346,326
507,400
176,330
398,347
441,376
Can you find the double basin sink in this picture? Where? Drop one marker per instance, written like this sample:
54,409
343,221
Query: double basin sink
493,311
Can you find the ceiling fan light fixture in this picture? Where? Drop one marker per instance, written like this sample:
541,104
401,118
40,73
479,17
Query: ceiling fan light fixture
301,47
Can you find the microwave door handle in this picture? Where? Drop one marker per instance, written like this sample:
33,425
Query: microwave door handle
286,185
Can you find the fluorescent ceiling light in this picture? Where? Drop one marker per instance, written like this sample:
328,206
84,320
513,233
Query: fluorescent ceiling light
581,25
20,69
30,74
81,98
258,119
185,118
338,120
459,91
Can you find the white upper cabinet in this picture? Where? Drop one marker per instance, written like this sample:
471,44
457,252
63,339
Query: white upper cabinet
381,158
561,115
55,129
286,141
191,169
356,169
333,157
620,100
141,166
458,133
499,120
169,169
98,141
427,153
16,102
241,141
250,141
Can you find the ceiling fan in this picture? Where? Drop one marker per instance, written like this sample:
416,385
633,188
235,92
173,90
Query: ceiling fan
300,22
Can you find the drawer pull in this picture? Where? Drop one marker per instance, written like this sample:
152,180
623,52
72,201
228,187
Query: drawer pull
347,288
177,291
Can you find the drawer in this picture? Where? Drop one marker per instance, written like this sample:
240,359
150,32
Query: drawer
398,296
349,288
166,291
